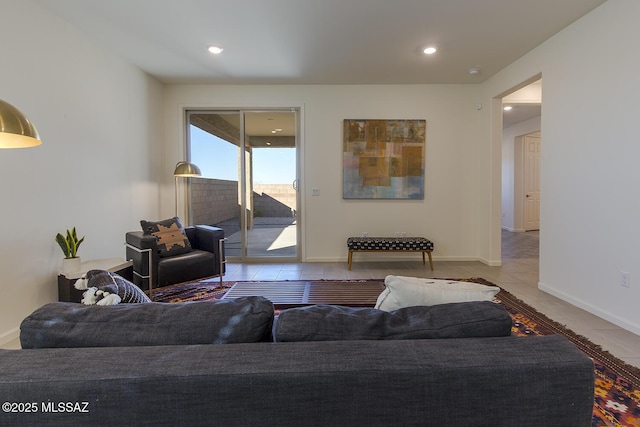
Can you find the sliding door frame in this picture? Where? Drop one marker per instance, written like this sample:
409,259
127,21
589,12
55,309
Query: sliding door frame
242,176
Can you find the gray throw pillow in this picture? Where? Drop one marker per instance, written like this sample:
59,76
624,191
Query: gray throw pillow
107,288
58,324
332,323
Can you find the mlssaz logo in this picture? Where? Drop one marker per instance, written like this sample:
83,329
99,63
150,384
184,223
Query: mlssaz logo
75,407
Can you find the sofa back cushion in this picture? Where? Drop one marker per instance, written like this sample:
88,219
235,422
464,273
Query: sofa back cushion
334,323
241,320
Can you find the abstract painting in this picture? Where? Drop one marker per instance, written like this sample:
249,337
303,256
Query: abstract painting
383,159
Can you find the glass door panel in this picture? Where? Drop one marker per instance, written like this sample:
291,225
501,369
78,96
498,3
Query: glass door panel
271,177
214,145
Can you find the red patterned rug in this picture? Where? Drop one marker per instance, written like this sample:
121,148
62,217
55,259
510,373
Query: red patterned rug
204,290
617,384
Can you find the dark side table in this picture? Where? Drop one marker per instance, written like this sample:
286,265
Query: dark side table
68,293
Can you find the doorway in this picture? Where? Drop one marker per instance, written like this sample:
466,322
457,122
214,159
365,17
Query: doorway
249,183
521,149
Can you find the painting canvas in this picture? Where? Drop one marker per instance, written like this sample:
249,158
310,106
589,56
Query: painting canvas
383,159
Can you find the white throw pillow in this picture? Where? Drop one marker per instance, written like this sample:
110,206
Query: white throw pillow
411,291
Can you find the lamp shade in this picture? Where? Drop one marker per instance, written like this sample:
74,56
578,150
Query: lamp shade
16,131
186,169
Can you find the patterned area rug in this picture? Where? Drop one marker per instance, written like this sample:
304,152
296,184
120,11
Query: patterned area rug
617,384
204,290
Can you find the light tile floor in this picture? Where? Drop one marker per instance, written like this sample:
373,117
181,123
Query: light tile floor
518,275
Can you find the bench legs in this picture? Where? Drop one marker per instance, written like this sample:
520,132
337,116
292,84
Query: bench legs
430,259
424,261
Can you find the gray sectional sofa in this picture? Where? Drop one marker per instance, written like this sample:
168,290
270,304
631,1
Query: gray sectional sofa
216,363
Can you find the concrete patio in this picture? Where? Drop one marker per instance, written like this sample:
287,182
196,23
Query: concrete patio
270,237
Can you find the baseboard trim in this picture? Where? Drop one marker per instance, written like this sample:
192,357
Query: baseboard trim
490,263
631,327
364,257
514,230
328,259
9,336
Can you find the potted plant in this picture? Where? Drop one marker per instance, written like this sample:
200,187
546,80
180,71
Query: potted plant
69,245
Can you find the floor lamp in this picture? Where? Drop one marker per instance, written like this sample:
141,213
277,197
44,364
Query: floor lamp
16,131
184,170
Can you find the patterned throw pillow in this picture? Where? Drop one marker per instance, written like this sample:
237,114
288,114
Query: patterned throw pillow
172,239
107,288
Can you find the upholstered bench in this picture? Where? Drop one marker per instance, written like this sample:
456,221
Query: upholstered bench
390,244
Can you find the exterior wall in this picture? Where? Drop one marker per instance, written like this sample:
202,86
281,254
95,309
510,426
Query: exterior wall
274,200
214,200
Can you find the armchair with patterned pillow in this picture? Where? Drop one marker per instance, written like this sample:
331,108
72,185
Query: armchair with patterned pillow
165,253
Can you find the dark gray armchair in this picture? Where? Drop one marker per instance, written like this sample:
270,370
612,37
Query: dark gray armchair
150,270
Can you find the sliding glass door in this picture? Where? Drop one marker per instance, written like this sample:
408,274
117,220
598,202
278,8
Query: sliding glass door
248,187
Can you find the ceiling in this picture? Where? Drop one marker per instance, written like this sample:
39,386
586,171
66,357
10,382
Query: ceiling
320,41
275,129
525,104
520,113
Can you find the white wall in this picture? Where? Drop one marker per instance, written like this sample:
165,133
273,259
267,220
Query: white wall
589,177
509,221
447,215
99,120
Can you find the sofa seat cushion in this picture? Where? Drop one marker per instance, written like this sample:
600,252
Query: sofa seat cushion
404,291
335,323
196,264
241,320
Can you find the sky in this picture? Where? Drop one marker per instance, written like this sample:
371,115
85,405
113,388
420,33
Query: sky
218,159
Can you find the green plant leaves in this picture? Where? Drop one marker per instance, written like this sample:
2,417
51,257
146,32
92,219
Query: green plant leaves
70,243
63,245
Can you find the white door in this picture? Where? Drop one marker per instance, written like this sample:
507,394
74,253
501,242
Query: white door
531,182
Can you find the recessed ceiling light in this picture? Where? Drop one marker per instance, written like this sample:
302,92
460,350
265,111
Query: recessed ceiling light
508,108
430,50
215,49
